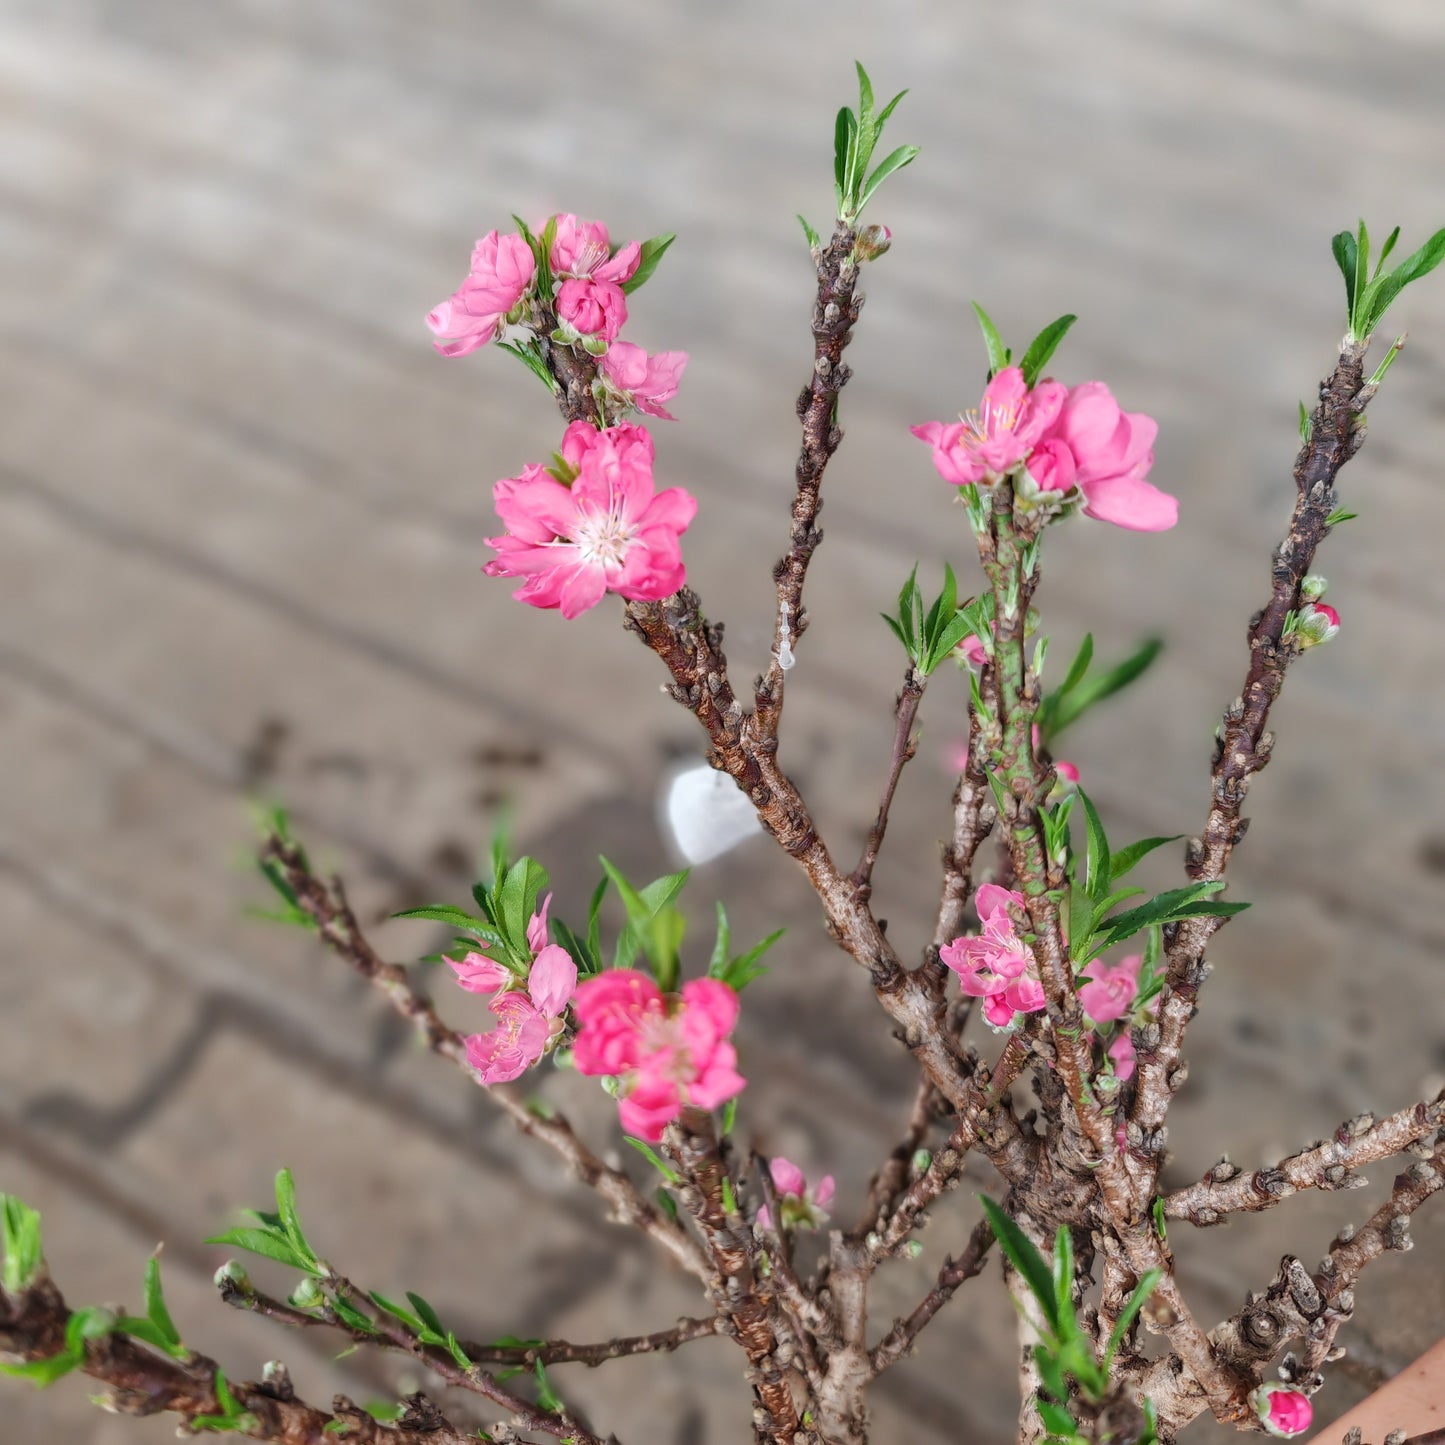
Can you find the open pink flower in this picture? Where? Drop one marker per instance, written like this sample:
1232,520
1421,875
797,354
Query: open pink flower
1110,992
641,380
801,1207
584,249
606,532
592,308
526,1024
996,966
501,274
1112,451
667,1050
1282,1410
991,441
479,972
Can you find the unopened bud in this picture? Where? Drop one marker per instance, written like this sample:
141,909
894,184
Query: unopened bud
1312,588
232,1273
872,242
1317,622
922,1158
307,1295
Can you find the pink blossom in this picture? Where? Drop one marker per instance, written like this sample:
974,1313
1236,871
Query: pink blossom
973,651
644,381
991,441
592,308
608,531
1122,1053
528,1024
1112,452
1284,1411
1109,994
501,274
1052,467
584,249
1317,622
801,1207
997,965
666,1050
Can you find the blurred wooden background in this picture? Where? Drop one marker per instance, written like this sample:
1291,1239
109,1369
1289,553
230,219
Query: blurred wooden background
241,512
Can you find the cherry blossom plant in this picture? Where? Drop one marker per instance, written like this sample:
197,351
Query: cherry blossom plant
1061,1086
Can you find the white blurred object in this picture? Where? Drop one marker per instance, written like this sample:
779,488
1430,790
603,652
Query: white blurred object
706,813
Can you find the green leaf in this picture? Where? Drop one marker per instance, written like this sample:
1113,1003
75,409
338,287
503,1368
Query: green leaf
653,251
516,902
865,90
88,1323
893,161
1160,1226
588,965
265,1242
720,949
547,1397
1384,291
453,917
594,920
1057,1420
1362,271
1051,1373
1306,426
1113,900
729,1116
41,1373
998,353
1097,863
1024,1255
644,907
845,134
1129,1313
426,1314
815,241
156,1311
1078,667
530,358
1385,251
666,1203
1194,901
396,1311
1042,347
1345,253
1127,858
19,1244
1064,1281
384,1410
1338,516
349,1315
1095,689
457,1353
290,1221
654,1158
742,970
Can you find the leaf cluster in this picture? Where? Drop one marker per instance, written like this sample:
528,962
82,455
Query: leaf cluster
1082,688
1064,1355
277,1236
929,635
1036,356
1368,296
854,139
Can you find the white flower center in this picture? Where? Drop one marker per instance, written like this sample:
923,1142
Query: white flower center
604,538
988,421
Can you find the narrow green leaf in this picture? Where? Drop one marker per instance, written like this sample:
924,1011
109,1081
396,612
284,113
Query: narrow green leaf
1057,1420
86,1324
1042,347
1126,859
1419,264
1340,515
1113,900
143,1329
1051,1373
42,1373
547,1397
290,1221
890,108
1385,251
815,241
653,251
1362,276
1024,1255
840,150
998,353
454,918
155,1303
1081,914
457,1353
1064,1280
1095,689
19,1243
742,970
665,1202
411,1321
1343,246
349,1315
264,1242
1096,865
893,161
1130,1313
729,1116
1306,426
1078,667
655,1159
721,947
865,91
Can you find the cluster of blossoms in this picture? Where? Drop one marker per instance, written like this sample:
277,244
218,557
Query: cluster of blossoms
666,1051
529,1010
1059,444
997,966
593,523
799,1205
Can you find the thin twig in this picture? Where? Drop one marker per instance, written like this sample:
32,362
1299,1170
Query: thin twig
904,747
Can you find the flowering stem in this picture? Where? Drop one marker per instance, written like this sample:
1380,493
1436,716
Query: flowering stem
835,312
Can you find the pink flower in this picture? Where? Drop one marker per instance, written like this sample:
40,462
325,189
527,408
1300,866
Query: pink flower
644,381
996,966
667,1051
592,308
993,440
1284,1411
973,651
1051,467
1112,451
801,1208
583,249
527,1025
1317,622
501,274
1109,994
479,972
608,531
1122,1053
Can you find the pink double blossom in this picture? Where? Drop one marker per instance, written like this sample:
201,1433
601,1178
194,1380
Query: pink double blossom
643,381
1062,439
666,1051
501,275
527,1024
988,443
996,966
973,651
800,1206
590,299
608,531
1282,1410
1110,992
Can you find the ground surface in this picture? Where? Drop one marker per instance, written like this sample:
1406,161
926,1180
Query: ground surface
241,511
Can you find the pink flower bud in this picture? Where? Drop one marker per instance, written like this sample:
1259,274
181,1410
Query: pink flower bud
1283,1410
1315,623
